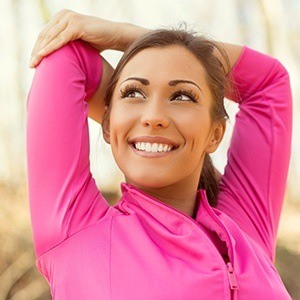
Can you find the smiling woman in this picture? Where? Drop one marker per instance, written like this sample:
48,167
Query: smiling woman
175,233
161,108
193,108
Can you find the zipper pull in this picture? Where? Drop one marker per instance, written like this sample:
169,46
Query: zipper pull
232,277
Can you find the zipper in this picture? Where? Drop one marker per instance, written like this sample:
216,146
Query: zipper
217,221
232,277
229,265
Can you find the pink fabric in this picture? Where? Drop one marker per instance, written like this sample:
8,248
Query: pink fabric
142,248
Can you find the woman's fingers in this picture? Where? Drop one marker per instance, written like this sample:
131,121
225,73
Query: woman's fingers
63,21
63,38
53,22
56,37
52,34
67,26
51,31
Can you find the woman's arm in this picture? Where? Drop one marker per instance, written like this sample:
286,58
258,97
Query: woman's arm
62,192
96,104
233,53
69,84
253,186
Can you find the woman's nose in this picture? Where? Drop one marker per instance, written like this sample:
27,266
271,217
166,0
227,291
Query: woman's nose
155,116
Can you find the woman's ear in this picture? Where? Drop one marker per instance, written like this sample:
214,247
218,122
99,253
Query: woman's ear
106,125
216,137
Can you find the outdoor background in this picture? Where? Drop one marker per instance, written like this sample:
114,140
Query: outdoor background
270,26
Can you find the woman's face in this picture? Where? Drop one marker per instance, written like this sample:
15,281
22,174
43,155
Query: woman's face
160,126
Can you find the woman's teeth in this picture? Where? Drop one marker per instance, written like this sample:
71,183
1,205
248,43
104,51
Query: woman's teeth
149,147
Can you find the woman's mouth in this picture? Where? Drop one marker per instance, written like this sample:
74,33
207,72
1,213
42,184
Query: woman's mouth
152,150
153,147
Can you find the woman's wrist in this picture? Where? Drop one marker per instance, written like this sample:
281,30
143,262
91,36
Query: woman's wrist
126,34
232,51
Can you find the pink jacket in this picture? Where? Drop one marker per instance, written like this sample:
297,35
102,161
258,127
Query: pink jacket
142,248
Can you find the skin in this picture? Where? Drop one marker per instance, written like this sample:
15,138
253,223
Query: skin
153,111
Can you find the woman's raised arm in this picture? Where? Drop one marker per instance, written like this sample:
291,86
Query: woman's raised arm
253,185
68,85
62,192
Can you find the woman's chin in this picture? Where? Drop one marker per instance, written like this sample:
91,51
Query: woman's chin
148,182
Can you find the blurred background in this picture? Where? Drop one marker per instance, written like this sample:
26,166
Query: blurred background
270,26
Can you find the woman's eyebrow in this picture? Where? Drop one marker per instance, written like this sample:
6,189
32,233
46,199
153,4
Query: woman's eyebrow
141,80
174,82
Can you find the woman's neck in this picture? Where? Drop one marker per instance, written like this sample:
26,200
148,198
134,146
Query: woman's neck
181,195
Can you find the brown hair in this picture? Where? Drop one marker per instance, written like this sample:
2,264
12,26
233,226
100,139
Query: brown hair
202,48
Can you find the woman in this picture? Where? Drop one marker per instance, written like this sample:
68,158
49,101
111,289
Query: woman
171,235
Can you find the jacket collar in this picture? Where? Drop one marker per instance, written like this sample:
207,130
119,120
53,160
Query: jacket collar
169,227
177,222
158,208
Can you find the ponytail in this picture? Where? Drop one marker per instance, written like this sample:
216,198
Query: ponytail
208,181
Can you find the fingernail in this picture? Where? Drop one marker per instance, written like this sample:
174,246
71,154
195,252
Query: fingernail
32,61
42,52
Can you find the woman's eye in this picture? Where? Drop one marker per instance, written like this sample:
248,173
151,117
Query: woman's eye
184,96
131,93
134,94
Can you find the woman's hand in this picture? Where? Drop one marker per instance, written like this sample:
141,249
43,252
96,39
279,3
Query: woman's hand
67,25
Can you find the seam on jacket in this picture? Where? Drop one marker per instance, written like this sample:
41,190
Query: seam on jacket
80,67
270,211
82,229
271,216
270,221
42,271
109,264
68,213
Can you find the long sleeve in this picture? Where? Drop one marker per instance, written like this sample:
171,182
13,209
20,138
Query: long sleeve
253,186
62,192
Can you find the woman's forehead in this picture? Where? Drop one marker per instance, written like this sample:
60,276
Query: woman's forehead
167,64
